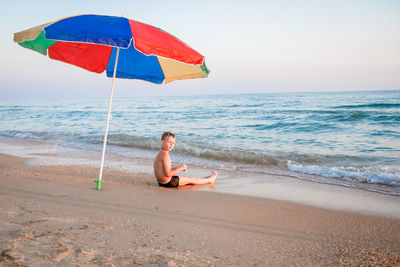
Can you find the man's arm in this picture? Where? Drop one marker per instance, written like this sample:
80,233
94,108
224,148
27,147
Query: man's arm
180,168
168,171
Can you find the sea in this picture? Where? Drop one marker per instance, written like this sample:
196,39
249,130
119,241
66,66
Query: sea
347,138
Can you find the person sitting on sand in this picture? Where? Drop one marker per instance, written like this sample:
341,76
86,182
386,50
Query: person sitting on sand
166,176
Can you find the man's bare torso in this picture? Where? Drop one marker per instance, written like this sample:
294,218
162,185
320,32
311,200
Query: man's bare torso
158,164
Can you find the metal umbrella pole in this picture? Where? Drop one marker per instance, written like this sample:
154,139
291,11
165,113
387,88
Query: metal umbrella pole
99,181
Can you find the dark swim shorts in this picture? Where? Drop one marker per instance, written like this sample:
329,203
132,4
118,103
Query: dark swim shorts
174,182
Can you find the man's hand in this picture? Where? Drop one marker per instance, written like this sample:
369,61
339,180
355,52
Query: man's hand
183,167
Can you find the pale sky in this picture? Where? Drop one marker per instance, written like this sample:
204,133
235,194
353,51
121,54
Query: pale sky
250,46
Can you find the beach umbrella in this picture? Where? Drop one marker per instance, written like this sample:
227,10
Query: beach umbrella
122,47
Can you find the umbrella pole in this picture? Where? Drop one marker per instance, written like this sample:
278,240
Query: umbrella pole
100,181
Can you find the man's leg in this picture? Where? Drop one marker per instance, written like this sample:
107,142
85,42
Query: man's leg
184,180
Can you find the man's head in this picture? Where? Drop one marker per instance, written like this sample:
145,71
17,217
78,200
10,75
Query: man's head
167,141
166,134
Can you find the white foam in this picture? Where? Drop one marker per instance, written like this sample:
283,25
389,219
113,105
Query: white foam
374,175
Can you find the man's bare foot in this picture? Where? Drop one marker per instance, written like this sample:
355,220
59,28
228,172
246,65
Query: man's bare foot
213,176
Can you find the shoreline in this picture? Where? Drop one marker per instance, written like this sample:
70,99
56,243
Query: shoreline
285,187
53,215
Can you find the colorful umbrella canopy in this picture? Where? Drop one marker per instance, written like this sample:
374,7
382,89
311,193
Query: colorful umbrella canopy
122,47
91,41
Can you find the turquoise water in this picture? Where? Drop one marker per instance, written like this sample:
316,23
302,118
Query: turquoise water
351,136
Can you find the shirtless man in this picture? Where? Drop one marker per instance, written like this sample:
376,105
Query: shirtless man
166,176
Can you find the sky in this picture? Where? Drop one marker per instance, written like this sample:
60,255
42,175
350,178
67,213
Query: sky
250,47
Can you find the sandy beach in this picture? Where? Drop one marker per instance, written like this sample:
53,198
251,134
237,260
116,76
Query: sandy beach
293,108
53,216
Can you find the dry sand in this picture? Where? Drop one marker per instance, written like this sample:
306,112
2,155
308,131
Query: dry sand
53,216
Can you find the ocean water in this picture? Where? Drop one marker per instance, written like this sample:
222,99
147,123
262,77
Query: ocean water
351,137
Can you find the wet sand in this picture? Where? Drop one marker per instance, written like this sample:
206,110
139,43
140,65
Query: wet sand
53,216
